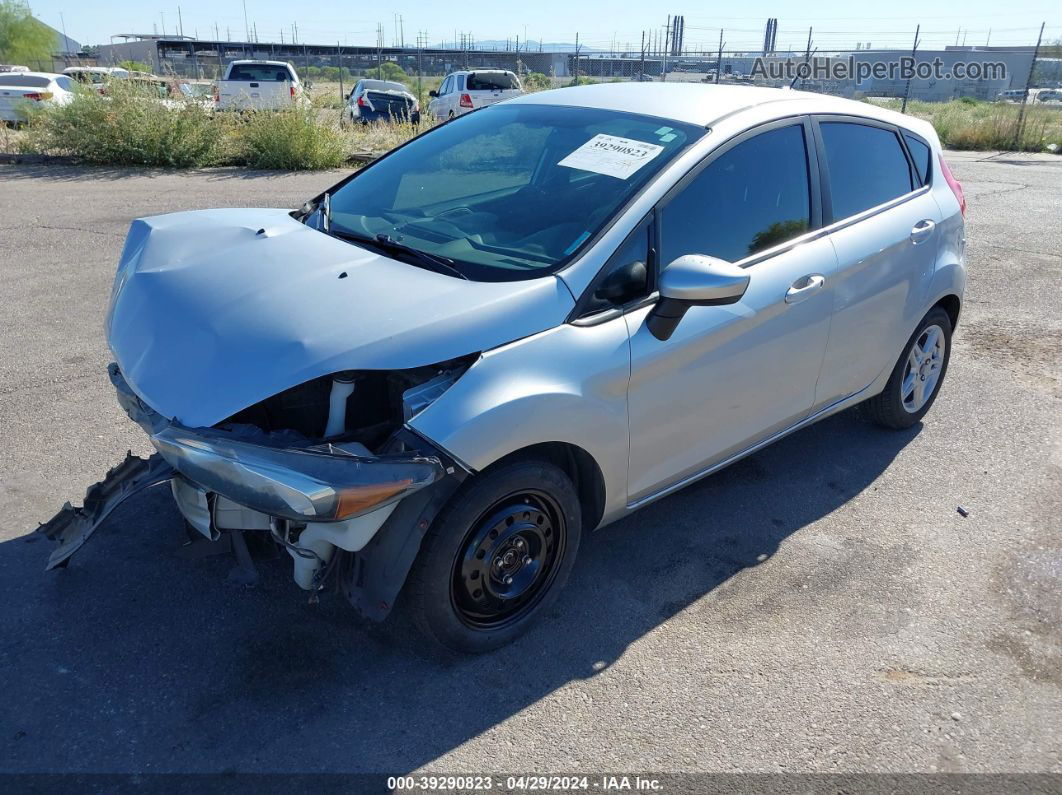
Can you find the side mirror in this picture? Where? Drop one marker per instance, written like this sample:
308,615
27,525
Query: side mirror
433,94
694,280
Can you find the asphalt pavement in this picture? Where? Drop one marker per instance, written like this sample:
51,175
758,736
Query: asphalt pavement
820,606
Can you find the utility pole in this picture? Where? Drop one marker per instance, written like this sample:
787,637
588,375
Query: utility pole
907,89
667,40
642,72
62,24
1025,96
576,59
719,63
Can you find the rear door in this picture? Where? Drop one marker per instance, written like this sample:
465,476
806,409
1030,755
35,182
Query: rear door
884,233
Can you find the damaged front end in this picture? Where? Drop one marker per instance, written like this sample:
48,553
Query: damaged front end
291,468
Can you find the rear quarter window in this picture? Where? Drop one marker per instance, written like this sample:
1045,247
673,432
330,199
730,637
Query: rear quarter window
866,164
920,154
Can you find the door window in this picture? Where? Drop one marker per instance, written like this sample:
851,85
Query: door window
867,166
753,196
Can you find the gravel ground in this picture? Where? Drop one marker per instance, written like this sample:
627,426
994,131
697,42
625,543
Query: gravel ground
820,606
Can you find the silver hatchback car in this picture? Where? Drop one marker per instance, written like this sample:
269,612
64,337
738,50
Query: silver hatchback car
523,325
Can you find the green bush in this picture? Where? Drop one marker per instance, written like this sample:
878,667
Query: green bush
290,139
130,125
536,81
980,125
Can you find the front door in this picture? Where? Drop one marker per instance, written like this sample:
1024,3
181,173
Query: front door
731,376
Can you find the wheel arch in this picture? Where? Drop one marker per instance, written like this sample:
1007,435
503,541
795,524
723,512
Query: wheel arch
951,304
577,464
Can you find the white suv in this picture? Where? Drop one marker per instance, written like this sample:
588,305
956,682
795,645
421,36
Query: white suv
462,92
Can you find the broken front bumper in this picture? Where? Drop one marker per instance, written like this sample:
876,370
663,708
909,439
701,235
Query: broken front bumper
318,483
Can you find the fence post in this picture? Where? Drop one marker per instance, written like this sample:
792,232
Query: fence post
1025,96
576,82
907,89
339,56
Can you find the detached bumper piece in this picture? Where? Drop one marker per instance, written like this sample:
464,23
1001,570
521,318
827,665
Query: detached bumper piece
72,527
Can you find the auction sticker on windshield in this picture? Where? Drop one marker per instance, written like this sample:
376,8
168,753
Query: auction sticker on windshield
612,156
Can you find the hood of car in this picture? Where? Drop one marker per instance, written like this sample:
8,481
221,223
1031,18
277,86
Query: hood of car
216,310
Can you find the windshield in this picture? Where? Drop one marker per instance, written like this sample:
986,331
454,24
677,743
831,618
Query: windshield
511,191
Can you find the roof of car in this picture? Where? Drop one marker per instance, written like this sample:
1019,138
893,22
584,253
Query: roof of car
259,61
697,103
50,75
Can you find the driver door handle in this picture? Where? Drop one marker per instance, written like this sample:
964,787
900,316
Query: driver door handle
805,287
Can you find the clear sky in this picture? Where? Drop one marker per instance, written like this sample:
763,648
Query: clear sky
838,24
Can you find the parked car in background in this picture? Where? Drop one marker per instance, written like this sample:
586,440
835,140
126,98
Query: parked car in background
1011,95
259,85
440,373
463,92
20,90
380,100
8,67
1049,95
198,91
96,76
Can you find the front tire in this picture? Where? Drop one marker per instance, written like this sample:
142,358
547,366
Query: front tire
916,378
496,557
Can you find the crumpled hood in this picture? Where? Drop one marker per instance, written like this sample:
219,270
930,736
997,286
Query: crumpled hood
209,316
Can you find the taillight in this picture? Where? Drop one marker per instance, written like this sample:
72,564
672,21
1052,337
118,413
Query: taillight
38,96
291,88
466,101
362,103
954,184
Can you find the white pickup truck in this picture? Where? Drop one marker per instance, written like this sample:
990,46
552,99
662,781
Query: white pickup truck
258,85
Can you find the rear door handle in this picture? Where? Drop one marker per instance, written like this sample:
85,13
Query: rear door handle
922,230
805,287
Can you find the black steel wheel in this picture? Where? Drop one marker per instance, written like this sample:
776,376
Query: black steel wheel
509,559
496,556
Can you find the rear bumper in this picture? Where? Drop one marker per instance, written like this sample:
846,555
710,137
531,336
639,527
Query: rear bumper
366,116
317,483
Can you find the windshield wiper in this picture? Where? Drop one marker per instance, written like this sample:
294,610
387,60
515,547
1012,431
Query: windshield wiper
431,262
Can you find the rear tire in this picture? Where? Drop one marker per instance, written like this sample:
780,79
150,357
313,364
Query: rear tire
917,377
496,557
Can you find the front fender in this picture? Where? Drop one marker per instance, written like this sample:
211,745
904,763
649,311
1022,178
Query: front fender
567,384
